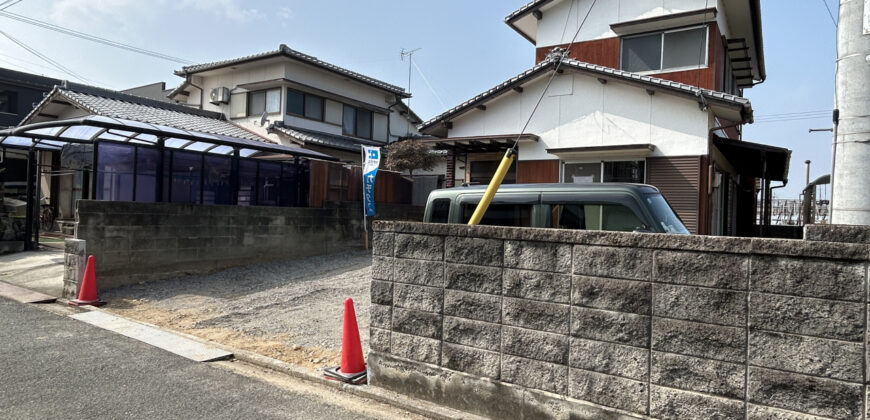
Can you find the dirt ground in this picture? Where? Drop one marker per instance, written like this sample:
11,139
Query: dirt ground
290,310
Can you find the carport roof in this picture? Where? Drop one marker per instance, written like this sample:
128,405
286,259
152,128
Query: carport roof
52,135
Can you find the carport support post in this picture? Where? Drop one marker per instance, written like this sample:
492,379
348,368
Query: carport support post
30,191
234,176
161,148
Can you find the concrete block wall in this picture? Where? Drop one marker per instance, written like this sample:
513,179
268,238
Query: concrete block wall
528,323
135,242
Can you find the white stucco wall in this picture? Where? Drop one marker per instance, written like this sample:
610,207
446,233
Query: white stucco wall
579,111
382,125
552,29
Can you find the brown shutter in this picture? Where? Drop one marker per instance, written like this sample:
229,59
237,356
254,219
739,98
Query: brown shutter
537,171
679,180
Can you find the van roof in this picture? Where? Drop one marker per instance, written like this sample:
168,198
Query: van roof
588,186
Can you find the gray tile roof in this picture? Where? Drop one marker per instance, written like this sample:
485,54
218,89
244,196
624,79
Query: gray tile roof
286,51
528,7
335,141
130,107
550,63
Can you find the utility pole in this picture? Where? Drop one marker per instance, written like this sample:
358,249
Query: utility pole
850,197
410,55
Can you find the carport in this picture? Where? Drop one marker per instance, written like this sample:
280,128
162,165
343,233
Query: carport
126,160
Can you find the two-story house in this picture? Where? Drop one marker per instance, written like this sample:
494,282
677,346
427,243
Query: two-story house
646,91
297,99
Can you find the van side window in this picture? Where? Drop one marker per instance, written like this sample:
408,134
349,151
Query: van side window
519,215
440,210
613,217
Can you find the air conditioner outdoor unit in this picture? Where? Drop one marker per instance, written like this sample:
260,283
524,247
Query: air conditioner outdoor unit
220,95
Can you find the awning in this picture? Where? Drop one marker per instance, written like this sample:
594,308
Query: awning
479,144
52,135
755,159
603,152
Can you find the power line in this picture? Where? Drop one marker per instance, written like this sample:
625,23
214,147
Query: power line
46,59
834,21
795,113
92,38
7,4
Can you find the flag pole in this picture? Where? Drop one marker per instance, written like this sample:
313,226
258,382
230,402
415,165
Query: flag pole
363,182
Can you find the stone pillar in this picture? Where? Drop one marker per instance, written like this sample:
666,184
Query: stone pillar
74,260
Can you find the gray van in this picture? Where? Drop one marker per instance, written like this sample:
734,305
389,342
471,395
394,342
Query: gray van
592,206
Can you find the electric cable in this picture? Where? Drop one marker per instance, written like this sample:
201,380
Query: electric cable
92,38
831,14
57,65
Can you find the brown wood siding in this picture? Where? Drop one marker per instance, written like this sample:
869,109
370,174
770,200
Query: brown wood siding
537,171
335,182
679,180
605,52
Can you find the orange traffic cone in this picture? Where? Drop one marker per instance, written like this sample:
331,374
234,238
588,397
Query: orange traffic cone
353,367
88,291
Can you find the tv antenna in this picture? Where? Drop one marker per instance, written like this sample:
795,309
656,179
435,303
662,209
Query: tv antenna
410,54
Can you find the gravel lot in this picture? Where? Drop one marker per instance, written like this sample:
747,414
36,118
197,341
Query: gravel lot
290,310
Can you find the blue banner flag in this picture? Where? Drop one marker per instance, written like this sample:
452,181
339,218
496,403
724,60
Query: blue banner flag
370,170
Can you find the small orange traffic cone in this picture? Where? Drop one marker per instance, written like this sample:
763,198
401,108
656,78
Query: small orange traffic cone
88,290
353,368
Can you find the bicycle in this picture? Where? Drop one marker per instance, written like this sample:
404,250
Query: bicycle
46,218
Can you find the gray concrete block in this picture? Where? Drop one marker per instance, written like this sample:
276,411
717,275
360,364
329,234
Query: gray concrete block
726,271
379,339
383,243
614,359
541,256
536,345
476,251
382,268
817,317
474,278
605,261
805,394
382,292
381,316
701,340
414,347
760,412
469,305
611,294
538,285
471,360
412,321
425,273
536,315
607,390
700,304
423,298
673,404
535,374
810,355
809,277
478,334
423,247
482,396
615,327
699,375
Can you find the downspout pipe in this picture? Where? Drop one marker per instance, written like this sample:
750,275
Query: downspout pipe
201,91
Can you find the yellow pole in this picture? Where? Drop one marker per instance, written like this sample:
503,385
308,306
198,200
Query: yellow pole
503,167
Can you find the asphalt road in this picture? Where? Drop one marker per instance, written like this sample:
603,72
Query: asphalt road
52,366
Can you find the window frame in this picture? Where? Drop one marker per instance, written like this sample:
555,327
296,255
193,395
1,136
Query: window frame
356,110
305,105
662,33
600,168
265,101
12,102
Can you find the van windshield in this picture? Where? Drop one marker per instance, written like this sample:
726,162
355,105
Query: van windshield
665,215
